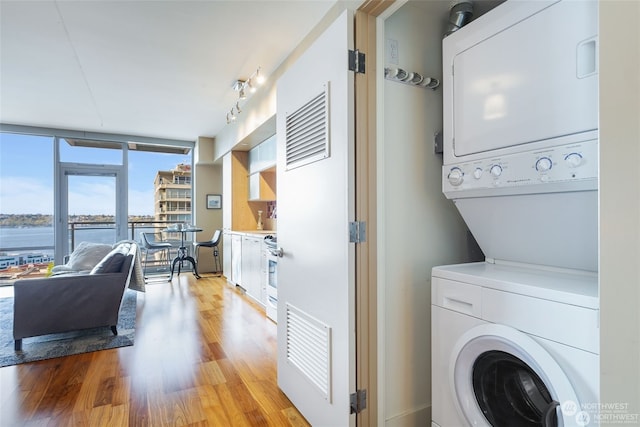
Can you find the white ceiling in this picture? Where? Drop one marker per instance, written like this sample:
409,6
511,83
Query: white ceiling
139,67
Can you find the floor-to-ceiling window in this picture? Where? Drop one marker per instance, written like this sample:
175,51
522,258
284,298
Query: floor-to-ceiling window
26,199
61,189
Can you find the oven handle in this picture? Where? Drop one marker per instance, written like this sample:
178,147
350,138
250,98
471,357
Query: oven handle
276,252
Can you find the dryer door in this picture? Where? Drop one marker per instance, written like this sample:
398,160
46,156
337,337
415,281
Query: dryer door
504,378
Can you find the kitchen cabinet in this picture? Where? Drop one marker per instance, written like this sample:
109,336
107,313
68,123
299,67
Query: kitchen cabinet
262,186
237,212
262,156
236,259
251,266
226,255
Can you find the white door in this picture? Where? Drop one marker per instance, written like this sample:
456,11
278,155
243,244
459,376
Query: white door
316,321
109,199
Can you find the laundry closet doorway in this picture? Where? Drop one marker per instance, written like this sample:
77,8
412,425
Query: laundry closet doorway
417,227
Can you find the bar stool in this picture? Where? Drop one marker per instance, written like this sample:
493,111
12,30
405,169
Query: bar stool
149,243
213,243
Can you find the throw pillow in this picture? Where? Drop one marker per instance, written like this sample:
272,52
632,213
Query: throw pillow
87,255
112,262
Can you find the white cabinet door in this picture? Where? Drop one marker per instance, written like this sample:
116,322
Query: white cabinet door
226,255
316,275
254,186
263,156
236,259
251,266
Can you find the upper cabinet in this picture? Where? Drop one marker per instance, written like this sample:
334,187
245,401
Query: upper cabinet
263,156
262,176
262,186
237,213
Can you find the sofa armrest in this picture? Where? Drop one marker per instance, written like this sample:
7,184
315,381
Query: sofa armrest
62,303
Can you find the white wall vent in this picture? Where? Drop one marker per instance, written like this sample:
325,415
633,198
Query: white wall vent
307,132
309,349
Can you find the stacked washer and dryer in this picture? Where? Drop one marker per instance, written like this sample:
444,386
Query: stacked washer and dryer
516,338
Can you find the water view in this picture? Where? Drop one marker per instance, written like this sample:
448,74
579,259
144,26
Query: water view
26,245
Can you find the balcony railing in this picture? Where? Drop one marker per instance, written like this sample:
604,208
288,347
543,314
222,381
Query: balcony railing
99,232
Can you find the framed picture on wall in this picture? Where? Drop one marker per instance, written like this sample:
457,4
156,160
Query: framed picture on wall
214,201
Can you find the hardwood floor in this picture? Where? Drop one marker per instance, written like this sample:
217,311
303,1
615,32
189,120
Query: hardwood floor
203,356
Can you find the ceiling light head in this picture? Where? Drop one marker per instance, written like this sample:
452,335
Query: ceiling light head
238,107
242,94
238,85
259,77
252,88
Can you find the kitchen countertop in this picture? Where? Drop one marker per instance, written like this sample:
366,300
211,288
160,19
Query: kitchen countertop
254,232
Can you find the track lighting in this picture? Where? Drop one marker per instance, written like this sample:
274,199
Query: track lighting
242,87
259,77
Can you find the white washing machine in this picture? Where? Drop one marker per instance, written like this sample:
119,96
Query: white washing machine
514,346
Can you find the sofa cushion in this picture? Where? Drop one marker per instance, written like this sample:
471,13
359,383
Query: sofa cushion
84,257
112,262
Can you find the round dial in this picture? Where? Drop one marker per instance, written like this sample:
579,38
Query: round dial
456,176
573,160
496,170
477,173
543,164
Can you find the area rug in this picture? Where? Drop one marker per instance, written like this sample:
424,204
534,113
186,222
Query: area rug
68,343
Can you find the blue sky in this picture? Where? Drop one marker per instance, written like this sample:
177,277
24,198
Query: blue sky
26,177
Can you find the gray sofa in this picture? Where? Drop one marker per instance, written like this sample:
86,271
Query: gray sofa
74,301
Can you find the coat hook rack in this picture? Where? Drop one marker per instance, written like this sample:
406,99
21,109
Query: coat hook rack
410,78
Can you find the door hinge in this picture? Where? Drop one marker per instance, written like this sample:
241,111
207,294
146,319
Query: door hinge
357,232
356,61
358,401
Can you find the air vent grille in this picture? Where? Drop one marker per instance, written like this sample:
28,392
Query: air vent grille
307,132
308,348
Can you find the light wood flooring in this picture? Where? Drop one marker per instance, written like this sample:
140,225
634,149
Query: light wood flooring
204,355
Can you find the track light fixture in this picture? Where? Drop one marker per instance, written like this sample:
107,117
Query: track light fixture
242,87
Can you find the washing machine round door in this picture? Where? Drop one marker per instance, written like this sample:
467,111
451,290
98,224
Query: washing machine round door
503,378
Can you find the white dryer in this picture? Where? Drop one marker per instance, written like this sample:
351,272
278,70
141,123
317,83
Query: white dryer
514,346
520,135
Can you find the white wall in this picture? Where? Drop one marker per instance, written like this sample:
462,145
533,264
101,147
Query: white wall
620,205
418,227
261,107
207,179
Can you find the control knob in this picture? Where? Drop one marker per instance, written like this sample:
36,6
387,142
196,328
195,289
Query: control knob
456,176
477,174
496,170
543,164
573,160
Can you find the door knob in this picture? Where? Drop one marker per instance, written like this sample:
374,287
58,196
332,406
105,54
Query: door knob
277,252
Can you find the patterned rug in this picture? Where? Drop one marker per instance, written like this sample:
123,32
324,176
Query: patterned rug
68,343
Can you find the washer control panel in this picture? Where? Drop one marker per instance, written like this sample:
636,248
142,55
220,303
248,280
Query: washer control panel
562,164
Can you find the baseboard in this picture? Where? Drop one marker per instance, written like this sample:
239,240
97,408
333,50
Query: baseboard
419,417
